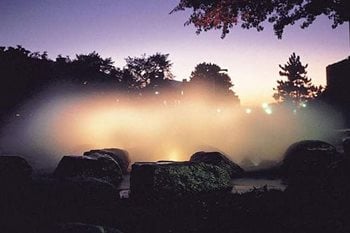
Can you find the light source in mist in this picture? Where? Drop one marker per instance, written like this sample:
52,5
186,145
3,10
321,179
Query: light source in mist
264,105
248,111
268,111
174,155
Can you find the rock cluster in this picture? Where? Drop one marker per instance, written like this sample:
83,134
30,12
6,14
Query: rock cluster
82,195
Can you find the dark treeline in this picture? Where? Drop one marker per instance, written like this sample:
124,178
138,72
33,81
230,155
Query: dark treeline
25,73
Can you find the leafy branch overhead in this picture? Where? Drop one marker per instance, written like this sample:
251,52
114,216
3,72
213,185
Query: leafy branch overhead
224,14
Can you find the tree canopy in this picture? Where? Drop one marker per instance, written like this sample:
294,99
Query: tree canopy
224,14
214,79
148,72
24,73
298,88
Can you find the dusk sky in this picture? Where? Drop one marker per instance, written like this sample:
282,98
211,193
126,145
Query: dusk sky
122,28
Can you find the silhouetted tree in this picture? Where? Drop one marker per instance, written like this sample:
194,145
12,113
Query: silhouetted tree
93,69
126,80
224,14
298,87
212,77
148,72
22,74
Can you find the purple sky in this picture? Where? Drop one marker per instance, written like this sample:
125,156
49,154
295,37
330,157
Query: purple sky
121,28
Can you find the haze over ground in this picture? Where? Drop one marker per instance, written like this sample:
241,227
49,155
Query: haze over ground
62,121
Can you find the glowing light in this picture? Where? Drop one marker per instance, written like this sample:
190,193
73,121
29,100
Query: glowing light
151,132
264,105
248,111
294,111
174,156
268,111
303,105
156,92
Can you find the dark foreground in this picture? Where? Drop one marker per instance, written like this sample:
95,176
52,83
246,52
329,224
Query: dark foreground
297,209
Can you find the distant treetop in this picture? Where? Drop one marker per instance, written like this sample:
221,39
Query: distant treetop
214,80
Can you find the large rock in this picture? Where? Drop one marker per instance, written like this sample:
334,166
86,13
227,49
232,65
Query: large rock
338,177
346,146
119,155
72,199
15,190
14,169
101,167
82,192
15,186
218,159
81,228
308,161
174,179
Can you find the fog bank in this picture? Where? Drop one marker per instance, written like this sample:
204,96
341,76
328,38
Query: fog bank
58,123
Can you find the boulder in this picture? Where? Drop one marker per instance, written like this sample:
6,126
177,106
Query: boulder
308,161
15,186
174,179
72,199
119,155
346,146
220,160
247,164
101,167
83,191
14,169
338,177
81,228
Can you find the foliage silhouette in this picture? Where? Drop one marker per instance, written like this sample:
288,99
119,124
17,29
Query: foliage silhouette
25,73
223,15
22,73
211,76
298,88
148,72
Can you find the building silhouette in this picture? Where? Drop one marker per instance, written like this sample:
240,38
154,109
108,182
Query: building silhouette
337,92
338,81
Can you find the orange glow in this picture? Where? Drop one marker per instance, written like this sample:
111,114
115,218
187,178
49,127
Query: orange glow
174,155
152,131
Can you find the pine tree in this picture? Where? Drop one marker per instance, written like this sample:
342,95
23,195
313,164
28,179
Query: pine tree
298,88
